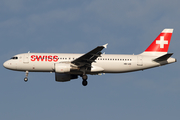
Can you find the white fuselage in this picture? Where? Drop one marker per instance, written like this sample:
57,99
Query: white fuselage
107,63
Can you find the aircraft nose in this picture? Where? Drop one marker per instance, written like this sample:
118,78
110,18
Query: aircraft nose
5,64
10,65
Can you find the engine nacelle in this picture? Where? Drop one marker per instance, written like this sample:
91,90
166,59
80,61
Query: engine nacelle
62,67
59,77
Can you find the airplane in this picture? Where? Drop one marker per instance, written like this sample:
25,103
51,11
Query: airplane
69,66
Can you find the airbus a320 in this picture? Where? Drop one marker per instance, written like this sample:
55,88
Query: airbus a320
69,66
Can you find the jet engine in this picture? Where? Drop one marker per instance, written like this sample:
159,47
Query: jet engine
59,77
62,67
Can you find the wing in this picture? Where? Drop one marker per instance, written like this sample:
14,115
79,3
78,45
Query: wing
88,58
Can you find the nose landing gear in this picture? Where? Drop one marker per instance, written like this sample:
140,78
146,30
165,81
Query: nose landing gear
26,78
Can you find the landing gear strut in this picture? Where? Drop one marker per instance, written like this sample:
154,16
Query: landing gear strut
84,77
26,78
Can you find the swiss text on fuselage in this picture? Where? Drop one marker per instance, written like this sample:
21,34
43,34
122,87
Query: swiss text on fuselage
48,58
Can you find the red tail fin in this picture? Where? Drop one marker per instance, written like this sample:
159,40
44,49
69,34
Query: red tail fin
161,43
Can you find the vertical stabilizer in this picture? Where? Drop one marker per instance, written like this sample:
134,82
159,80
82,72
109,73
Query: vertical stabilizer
160,45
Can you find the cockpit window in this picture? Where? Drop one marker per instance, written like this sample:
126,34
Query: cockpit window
14,58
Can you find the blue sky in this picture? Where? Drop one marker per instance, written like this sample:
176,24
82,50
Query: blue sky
77,27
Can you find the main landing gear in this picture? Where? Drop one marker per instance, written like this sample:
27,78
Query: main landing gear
26,78
84,77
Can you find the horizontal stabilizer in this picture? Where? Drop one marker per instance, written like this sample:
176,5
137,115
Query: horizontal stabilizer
164,57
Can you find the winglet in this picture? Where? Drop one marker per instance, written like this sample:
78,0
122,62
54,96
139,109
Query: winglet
105,46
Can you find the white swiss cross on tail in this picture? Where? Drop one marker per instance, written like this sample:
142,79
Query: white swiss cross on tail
161,44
